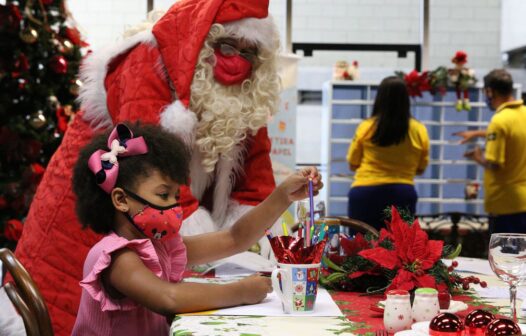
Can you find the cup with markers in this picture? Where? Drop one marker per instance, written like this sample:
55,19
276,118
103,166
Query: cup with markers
299,256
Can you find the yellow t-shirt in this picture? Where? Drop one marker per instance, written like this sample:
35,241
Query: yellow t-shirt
505,187
392,164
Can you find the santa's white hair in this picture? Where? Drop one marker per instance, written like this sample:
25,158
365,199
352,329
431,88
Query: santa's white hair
228,114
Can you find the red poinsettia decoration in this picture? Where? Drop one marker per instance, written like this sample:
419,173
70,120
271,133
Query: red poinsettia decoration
413,254
401,257
417,83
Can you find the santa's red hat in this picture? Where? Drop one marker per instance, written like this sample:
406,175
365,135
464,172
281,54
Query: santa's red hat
178,36
181,32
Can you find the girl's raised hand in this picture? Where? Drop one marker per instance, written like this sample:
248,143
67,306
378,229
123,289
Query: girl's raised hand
296,186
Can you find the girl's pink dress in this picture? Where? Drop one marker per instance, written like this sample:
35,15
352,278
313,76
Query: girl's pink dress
101,315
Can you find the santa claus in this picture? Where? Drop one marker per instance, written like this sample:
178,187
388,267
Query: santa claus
206,71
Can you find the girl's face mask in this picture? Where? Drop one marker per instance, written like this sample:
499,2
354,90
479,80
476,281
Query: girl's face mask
156,222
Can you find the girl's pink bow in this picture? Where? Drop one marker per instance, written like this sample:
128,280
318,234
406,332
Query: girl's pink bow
105,165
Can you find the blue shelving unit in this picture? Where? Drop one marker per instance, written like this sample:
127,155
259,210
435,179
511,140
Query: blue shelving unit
441,187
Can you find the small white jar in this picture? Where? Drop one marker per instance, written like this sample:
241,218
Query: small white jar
397,312
425,304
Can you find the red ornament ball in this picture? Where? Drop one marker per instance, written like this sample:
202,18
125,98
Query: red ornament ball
446,324
13,229
477,320
503,327
3,203
59,65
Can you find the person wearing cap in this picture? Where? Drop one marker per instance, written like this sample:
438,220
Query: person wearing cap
504,159
207,72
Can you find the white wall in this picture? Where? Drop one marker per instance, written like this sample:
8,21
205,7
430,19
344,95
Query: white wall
471,25
513,30
103,21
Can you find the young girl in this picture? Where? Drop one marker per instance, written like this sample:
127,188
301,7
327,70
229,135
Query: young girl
127,186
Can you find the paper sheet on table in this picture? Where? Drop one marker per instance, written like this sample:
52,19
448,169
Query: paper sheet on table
471,265
498,292
228,269
271,306
241,264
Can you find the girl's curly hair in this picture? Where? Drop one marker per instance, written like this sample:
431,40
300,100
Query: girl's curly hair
166,153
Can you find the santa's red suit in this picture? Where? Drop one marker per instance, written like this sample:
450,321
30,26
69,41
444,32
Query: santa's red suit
148,78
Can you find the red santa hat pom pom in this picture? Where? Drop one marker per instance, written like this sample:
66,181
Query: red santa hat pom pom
460,57
178,119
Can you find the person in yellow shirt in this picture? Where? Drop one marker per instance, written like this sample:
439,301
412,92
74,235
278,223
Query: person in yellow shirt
504,159
386,153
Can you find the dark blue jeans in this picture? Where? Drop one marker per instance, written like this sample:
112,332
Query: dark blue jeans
513,223
368,203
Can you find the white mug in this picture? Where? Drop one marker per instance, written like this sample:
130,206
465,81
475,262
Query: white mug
297,287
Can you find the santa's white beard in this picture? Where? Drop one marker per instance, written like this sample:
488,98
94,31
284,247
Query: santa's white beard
227,114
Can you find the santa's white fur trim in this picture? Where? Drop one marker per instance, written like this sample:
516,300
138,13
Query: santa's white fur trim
263,32
179,120
93,72
236,210
226,172
199,178
199,222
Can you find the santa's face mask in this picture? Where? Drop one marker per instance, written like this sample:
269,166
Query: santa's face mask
231,69
156,222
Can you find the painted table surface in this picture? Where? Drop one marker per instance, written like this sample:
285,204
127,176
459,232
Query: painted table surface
359,318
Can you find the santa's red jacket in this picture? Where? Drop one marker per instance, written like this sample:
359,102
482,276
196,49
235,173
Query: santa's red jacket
136,80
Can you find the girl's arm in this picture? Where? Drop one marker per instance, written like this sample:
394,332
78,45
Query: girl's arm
130,277
251,227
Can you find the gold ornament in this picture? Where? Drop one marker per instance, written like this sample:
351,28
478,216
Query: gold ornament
37,120
58,46
75,87
52,102
67,47
29,35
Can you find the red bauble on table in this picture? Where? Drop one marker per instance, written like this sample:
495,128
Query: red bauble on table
446,324
503,327
477,321
59,65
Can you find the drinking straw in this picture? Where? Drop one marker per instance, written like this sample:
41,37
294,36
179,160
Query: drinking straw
311,205
285,231
312,233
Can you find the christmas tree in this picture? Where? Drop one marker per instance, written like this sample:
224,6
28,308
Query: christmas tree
39,63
